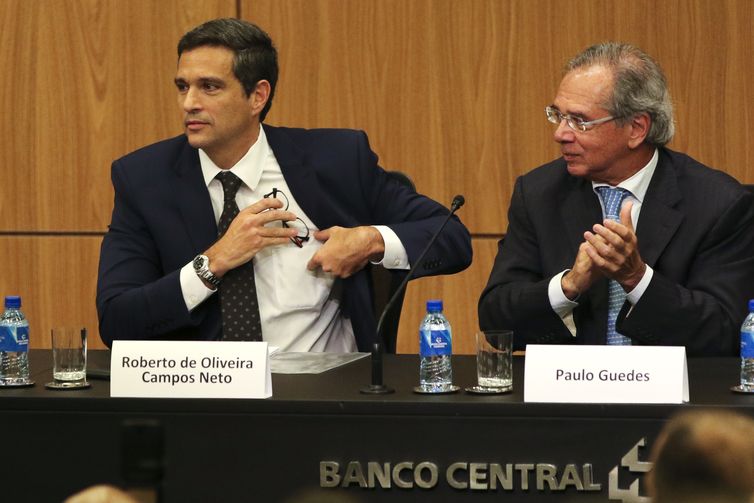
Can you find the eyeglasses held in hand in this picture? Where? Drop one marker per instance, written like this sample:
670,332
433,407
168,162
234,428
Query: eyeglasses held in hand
576,123
299,225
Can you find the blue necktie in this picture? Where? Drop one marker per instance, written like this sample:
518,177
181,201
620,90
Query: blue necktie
612,198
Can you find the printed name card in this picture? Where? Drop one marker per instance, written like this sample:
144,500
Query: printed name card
190,369
605,374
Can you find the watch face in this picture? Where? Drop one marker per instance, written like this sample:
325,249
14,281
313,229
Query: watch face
198,262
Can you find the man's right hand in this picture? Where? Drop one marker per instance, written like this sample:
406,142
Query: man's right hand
247,234
581,276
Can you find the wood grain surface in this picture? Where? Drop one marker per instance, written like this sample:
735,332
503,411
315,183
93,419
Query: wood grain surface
450,91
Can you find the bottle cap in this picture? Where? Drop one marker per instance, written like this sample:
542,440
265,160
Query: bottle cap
434,305
751,305
12,302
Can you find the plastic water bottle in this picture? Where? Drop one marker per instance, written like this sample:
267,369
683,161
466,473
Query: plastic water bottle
747,350
435,348
14,345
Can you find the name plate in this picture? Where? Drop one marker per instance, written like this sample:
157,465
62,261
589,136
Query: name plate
605,374
190,369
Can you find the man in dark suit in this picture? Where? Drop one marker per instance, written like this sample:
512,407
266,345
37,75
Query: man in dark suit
299,214
621,240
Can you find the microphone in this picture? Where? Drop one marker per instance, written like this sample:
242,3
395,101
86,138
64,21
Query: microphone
377,387
458,201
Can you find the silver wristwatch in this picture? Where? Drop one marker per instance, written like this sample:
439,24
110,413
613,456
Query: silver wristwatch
201,268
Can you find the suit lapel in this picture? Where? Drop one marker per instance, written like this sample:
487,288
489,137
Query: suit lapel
580,210
192,198
659,219
299,176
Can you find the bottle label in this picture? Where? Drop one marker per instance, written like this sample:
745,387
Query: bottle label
747,344
14,339
435,343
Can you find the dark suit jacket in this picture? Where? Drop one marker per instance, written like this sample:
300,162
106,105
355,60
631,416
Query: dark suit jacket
163,217
696,231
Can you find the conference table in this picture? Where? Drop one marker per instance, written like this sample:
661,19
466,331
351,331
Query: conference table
319,439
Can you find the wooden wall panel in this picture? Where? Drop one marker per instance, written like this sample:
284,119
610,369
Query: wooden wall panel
85,82
422,80
56,278
452,92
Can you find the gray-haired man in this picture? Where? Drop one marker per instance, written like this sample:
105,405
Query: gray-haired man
621,240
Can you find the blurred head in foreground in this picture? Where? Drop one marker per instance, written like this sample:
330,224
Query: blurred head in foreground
704,456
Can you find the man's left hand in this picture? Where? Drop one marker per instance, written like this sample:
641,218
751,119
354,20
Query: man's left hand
614,249
347,250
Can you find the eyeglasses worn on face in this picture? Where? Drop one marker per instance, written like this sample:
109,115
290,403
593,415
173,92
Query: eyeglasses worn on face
576,123
299,225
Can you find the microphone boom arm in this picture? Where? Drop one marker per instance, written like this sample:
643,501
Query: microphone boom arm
458,201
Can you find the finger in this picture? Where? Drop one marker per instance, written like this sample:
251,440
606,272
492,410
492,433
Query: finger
583,246
315,262
274,216
323,235
625,215
595,240
264,204
601,264
313,265
607,263
606,251
277,232
626,233
597,259
611,236
343,273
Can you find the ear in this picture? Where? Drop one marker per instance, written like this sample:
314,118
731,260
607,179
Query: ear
259,96
640,125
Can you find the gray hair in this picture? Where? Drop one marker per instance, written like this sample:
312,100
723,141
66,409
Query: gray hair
639,86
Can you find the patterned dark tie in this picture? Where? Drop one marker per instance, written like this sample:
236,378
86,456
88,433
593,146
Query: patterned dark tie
238,292
612,198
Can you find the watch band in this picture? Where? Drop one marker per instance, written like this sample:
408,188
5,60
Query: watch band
201,267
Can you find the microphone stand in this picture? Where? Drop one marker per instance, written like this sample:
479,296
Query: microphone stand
377,387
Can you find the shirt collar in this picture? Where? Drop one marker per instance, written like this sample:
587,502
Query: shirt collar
248,168
639,182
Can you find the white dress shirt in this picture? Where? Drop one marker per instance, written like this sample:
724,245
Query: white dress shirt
637,185
297,310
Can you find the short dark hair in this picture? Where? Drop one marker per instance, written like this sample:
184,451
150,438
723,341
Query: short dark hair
254,56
